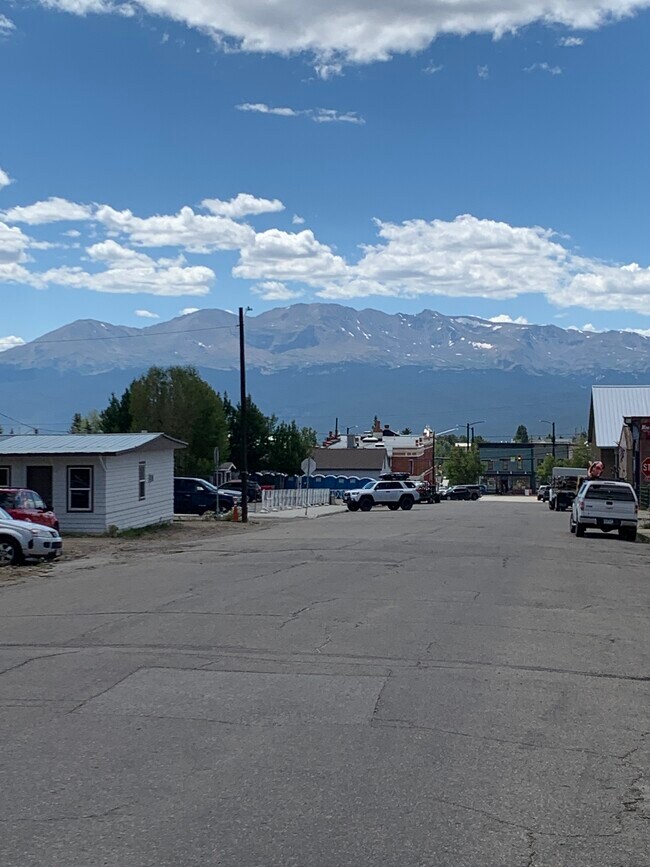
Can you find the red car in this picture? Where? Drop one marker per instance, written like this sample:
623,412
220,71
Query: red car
25,505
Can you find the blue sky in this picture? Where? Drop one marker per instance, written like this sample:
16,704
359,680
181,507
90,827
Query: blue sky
495,167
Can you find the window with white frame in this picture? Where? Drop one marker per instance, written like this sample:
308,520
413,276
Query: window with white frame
5,477
80,489
142,480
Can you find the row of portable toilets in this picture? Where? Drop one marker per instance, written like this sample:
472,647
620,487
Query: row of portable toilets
290,483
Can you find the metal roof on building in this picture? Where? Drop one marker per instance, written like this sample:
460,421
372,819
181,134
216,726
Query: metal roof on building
83,444
610,404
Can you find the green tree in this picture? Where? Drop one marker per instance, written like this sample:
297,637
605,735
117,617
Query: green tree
178,402
407,432
259,429
86,424
581,453
116,418
473,465
455,467
545,469
521,436
289,446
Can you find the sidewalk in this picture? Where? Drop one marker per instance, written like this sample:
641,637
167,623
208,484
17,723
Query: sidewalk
284,514
643,531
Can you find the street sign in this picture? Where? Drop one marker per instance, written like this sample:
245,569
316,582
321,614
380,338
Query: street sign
645,469
308,466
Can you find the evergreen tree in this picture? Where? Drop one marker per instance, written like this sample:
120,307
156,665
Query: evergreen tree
521,436
116,418
289,446
178,402
258,432
76,427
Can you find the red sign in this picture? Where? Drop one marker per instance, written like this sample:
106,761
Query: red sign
645,469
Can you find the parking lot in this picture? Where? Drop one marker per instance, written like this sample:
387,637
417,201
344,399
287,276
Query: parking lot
458,685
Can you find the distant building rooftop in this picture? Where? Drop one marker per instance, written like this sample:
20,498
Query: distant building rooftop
84,444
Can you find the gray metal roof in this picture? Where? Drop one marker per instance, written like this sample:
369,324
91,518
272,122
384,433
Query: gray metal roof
610,404
84,444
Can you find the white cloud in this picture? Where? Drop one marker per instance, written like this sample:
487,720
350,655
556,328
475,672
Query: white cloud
544,67
508,320
571,41
9,342
466,257
53,210
278,255
72,233
7,26
643,332
355,31
194,232
5,180
187,310
13,243
146,314
599,286
590,328
432,68
483,71
298,221
318,115
272,290
129,272
241,206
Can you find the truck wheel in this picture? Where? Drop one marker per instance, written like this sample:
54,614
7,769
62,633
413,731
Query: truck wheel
353,507
11,554
365,504
580,529
627,534
474,497
406,503
393,506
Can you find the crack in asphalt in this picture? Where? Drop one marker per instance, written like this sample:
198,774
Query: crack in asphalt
295,614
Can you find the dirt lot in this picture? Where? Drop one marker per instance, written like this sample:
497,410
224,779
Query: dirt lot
170,538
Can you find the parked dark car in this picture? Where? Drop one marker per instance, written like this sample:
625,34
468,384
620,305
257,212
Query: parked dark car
462,492
235,486
196,496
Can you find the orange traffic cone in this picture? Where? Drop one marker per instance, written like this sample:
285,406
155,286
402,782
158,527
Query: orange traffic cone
235,513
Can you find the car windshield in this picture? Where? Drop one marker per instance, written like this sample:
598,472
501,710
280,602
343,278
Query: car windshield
609,492
7,500
5,516
369,485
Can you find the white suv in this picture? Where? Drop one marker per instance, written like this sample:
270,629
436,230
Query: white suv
395,495
606,506
22,540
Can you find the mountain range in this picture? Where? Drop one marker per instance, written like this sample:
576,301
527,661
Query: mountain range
318,361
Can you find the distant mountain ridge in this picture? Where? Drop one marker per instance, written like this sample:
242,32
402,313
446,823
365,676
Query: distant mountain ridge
305,336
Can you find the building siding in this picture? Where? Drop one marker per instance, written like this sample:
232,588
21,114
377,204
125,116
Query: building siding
124,509
70,522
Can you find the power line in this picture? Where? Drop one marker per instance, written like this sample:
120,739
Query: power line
39,341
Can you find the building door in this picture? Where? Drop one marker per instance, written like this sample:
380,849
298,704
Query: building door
39,479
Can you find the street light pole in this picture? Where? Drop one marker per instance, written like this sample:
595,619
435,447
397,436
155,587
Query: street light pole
552,423
470,424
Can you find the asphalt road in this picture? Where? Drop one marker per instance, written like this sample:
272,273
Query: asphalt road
463,685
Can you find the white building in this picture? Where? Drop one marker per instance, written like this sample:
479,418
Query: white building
95,481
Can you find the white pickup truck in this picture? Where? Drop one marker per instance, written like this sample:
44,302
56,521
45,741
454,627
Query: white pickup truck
606,506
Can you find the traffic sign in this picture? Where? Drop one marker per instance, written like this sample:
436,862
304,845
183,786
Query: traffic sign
308,466
645,469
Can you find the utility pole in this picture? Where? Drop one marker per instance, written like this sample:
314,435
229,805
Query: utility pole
244,419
